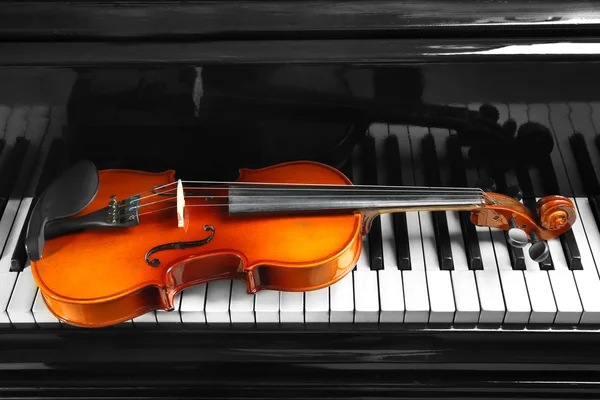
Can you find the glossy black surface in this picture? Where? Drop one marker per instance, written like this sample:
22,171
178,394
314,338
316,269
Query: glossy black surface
207,88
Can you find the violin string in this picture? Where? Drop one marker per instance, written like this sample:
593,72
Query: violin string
296,186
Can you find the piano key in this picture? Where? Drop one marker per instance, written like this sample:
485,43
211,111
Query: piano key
4,116
439,284
192,307
588,283
21,301
242,304
581,121
9,172
464,287
266,306
342,300
394,174
554,178
391,296
144,320
591,230
518,308
568,305
416,296
369,177
469,233
217,302
292,308
173,317
567,239
317,306
366,290
431,166
43,317
49,169
391,291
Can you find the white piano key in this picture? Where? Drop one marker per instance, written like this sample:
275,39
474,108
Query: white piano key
543,306
266,306
366,290
366,296
491,298
21,302
588,283
464,287
518,308
568,305
416,296
391,291
342,300
292,307
590,228
439,283
217,302
193,302
391,296
242,303
146,319
317,306
43,317
171,317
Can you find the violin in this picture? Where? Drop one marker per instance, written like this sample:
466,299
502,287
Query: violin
107,246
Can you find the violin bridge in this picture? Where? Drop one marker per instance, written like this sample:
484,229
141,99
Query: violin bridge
180,205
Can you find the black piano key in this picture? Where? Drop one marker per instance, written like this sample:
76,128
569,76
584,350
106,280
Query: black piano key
586,170
529,201
370,176
52,167
468,230
394,169
567,240
431,166
10,171
515,254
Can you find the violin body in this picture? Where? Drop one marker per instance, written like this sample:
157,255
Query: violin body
102,277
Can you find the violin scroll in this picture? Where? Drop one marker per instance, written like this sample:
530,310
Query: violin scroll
556,215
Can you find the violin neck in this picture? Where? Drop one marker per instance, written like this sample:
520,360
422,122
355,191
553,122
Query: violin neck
307,198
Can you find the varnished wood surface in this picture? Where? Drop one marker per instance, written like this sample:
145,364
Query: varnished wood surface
100,277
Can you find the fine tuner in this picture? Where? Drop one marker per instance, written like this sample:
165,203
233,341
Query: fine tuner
107,246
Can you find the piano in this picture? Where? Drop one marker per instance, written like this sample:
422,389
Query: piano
500,95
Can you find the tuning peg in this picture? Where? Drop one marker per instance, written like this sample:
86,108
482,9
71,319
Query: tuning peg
515,192
516,236
539,248
486,184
